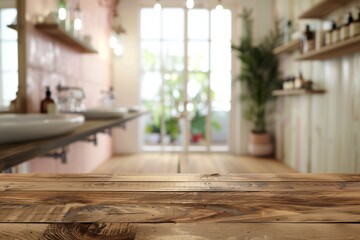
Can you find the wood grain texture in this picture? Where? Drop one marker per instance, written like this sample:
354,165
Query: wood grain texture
248,231
324,8
184,207
148,177
180,207
61,35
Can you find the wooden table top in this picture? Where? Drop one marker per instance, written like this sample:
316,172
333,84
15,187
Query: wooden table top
171,206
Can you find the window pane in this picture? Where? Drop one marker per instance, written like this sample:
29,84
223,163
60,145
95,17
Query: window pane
221,56
198,24
173,24
221,86
9,56
173,55
10,84
221,24
198,91
150,55
198,56
7,17
150,86
150,24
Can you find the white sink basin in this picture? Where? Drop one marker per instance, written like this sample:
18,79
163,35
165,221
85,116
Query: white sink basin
26,127
105,113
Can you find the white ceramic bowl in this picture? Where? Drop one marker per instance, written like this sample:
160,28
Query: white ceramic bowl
27,127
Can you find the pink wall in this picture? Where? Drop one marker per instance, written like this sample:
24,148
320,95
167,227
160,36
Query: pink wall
51,63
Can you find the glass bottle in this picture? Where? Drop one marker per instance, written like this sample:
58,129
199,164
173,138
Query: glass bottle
355,26
345,29
47,104
335,33
307,40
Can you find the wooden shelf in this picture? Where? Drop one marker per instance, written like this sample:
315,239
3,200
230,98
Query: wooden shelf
16,153
323,8
58,33
294,92
349,46
288,48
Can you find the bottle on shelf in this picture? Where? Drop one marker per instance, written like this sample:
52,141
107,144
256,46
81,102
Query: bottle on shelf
299,81
47,105
335,33
355,26
287,32
328,35
308,42
345,29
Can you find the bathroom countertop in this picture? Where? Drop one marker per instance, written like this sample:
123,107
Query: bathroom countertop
14,154
180,206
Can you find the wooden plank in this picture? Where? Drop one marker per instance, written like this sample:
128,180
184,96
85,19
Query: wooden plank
170,207
288,48
324,8
68,231
295,92
346,47
14,154
61,35
253,231
188,186
146,177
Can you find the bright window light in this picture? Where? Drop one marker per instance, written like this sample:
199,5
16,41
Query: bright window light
77,24
157,6
112,41
190,4
119,49
62,14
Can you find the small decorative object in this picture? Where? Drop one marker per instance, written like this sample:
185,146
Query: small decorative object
355,26
345,29
307,42
288,84
335,33
299,81
287,32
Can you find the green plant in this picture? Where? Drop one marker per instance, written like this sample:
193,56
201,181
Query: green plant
259,71
198,124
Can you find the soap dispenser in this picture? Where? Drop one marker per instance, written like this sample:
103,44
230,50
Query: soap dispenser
47,104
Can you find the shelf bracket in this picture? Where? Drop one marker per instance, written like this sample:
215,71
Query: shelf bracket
62,154
92,139
122,126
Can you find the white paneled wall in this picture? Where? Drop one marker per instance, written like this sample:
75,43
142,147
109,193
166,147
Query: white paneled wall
320,133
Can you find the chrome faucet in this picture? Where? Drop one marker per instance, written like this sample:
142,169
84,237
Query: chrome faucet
74,101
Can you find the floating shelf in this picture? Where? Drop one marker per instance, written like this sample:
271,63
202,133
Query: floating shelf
294,92
58,33
288,48
335,50
323,8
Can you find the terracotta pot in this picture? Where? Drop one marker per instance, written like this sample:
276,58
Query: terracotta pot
260,144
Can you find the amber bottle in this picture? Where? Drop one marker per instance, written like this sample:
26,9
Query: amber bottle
47,103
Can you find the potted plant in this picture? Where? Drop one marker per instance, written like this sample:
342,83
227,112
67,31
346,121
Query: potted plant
259,77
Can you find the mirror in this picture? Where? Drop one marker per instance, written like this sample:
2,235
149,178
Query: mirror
11,31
